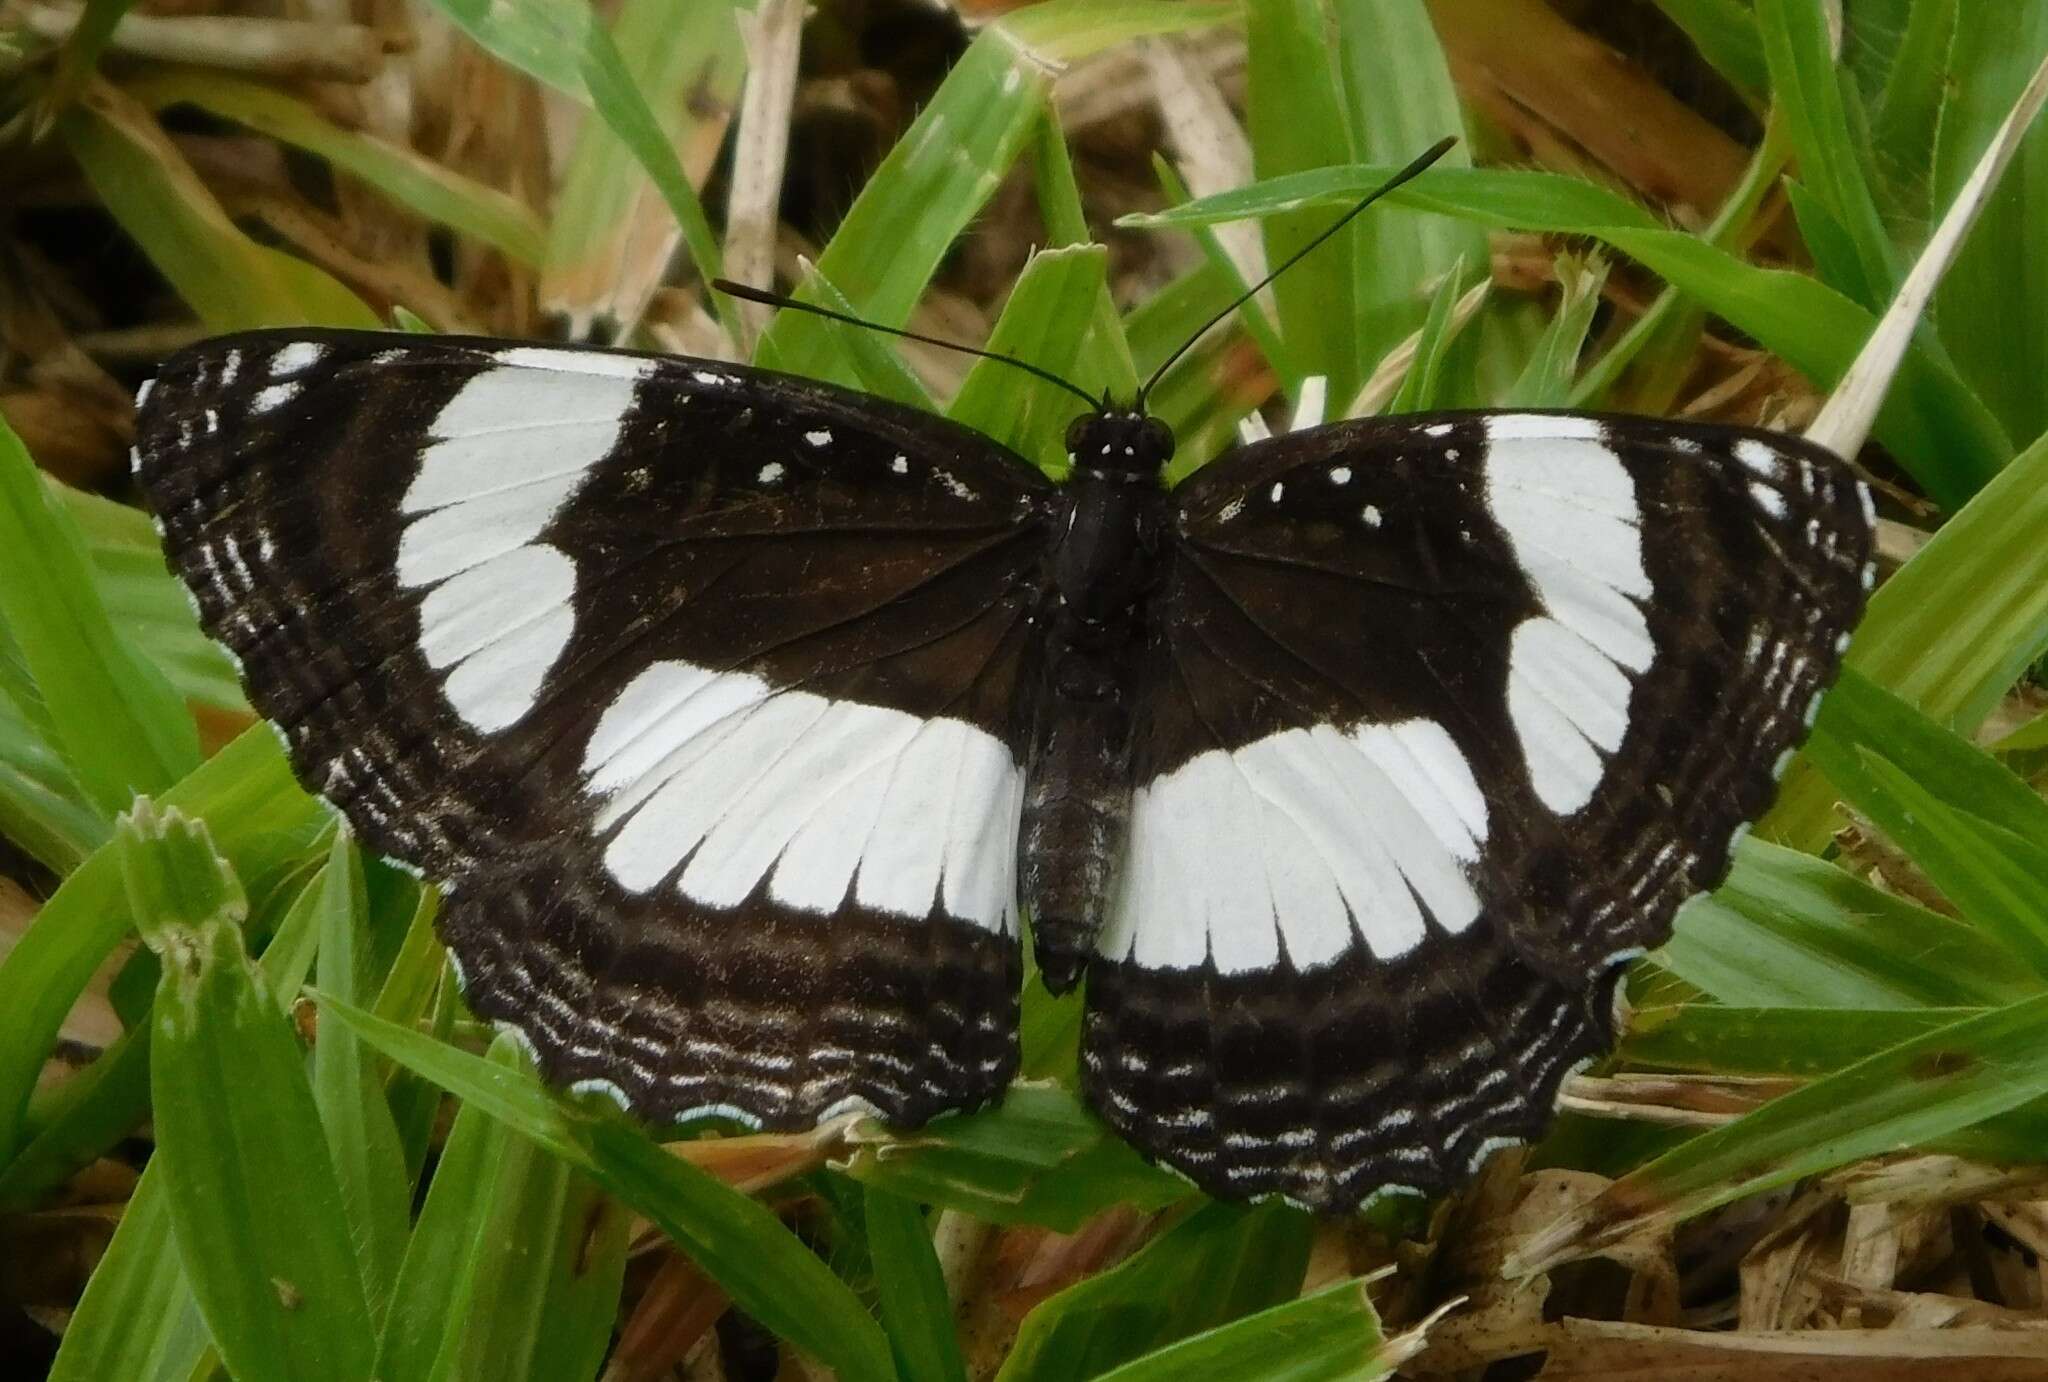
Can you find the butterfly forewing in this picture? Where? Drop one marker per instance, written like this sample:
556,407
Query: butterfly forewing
1446,716
694,685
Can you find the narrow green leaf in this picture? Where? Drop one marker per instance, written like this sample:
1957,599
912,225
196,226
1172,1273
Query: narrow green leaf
1725,33
1422,388
1048,315
1399,100
174,877
361,1136
258,817
1909,109
1789,930
1546,382
689,63
1992,307
1331,1336
119,726
81,51
43,811
1938,429
229,280
1039,1157
137,1320
255,1207
873,359
1808,89
1901,1098
912,1290
931,184
1716,1040
737,1242
149,605
1295,114
438,194
1220,1263
466,1307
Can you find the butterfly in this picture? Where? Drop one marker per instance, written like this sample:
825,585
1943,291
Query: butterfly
736,714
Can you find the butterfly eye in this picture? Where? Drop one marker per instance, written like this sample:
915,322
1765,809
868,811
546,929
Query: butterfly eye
1077,434
1158,437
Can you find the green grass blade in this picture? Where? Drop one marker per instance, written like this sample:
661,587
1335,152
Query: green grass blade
1398,100
465,1307
137,1320
1037,1158
926,191
436,193
1331,1336
119,726
689,62
42,810
255,1206
1047,318
149,605
1938,429
1716,1040
1422,387
912,1290
1992,307
1808,89
361,1136
81,52
737,1242
869,354
258,817
1952,630
1908,111
1903,1097
1725,33
230,281
1546,382
1788,930
1220,1263
1295,114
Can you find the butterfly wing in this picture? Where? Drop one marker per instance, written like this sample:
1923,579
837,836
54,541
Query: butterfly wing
692,684
1444,718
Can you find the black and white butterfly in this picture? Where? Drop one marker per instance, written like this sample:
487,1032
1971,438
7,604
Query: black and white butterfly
735,713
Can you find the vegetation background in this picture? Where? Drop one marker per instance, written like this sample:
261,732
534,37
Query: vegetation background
246,1127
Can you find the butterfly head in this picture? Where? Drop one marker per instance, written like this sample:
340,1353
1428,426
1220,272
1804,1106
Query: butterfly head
1122,444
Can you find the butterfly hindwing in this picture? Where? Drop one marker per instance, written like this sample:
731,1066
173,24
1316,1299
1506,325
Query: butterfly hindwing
1447,715
693,684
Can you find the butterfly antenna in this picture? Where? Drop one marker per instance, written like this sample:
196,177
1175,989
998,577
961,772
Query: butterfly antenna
760,295
1435,152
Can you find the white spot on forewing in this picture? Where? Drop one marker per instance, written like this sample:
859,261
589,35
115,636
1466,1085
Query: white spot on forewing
1767,499
1758,458
478,607
769,473
900,466
1541,427
710,773
1312,839
821,437
230,367
1371,514
1869,506
294,358
953,485
1277,490
142,393
273,397
1340,475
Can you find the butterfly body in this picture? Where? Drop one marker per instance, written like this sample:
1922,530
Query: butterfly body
737,712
